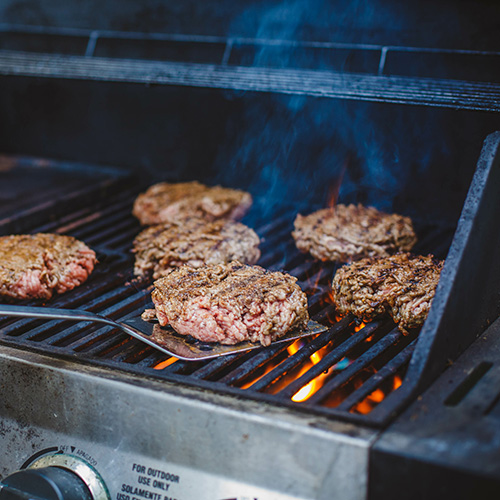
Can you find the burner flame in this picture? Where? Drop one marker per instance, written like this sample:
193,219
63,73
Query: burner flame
334,189
164,364
359,327
306,392
314,385
397,382
376,397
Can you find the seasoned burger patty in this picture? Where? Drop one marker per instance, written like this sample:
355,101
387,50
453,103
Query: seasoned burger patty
194,242
165,202
230,303
401,286
37,265
350,232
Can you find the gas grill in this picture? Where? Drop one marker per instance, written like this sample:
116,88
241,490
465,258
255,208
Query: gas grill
94,116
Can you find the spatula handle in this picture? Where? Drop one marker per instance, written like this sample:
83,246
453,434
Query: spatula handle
52,313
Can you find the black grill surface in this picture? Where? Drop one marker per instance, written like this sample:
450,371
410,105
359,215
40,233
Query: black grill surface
357,369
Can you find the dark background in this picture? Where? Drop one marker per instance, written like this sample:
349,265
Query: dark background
446,23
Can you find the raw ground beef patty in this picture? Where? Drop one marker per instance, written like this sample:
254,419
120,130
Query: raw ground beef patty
166,202
401,286
349,232
194,242
38,265
230,303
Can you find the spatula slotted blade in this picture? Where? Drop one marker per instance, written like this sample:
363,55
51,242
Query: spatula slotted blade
188,348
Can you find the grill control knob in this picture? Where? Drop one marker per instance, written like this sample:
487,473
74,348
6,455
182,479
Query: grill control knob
55,477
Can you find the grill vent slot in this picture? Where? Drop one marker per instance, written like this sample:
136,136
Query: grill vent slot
468,384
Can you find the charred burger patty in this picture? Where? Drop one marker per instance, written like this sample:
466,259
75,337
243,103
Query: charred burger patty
38,265
194,242
350,232
230,303
165,202
401,286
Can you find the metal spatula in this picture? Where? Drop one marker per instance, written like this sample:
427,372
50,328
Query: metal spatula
164,339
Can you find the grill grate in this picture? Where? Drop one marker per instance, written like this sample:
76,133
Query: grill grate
351,365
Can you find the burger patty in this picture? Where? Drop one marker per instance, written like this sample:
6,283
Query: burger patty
230,303
165,202
194,242
401,286
38,265
350,232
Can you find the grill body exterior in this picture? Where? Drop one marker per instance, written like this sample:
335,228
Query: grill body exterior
141,434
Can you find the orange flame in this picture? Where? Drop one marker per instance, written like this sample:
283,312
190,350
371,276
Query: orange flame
164,364
359,327
306,392
376,397
293,348
397,382
310,388
334,189
363,407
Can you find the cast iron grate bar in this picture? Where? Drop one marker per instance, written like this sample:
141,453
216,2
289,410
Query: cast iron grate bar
217,368
332,359
376,350
301,355
253,364
363,361
386,373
